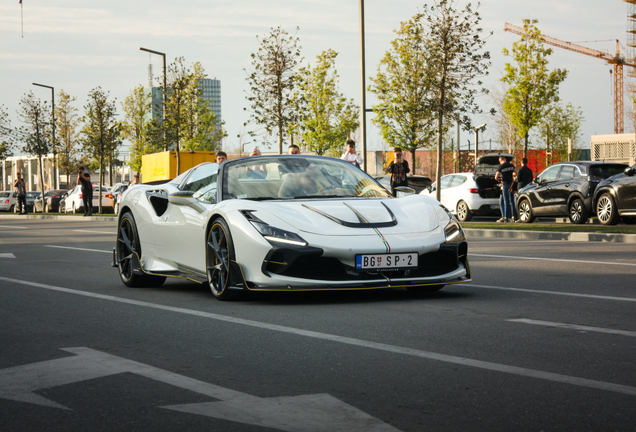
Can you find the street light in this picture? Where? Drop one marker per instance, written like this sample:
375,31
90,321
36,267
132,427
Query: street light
163,96
57,179
363,95
477,129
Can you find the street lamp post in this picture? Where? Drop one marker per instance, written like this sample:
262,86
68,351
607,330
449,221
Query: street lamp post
363,94
163,96
55,175
477,129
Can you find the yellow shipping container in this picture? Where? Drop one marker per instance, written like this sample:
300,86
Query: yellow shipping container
163,166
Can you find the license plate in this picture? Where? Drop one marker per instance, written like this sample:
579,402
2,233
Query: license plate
386,261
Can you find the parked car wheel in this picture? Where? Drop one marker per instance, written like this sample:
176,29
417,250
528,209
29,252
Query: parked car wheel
11,208
127,246
577,212
463,212
525,212
606,210
219,257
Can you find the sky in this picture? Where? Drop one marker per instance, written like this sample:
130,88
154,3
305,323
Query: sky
77,45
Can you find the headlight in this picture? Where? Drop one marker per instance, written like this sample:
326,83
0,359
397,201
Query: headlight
453,230
274,234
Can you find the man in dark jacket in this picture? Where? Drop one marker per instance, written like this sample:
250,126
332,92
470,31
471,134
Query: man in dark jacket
524,176
84,179
398,169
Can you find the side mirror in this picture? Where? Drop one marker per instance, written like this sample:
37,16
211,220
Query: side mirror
402,191
630,171
185,198
536,180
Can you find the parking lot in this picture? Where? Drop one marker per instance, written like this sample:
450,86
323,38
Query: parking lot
541,339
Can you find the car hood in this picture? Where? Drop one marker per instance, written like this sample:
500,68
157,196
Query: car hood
353,217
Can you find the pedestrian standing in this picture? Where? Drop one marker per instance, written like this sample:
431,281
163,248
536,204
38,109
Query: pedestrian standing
221,157
504,175
20,189
84,179
351,155
293,149
398,168
524,176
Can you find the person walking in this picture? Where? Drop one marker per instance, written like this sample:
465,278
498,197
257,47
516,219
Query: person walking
20,189
524,176
398,168
504,175
84,179
351,155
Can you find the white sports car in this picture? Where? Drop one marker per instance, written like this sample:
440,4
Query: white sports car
286,222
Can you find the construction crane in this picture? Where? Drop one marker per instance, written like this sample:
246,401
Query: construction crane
617,60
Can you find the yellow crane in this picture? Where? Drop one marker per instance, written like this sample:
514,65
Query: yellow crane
617,60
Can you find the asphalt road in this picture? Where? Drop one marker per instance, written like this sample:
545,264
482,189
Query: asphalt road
543,339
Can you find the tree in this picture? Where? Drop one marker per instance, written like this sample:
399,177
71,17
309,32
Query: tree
326,117
67,121
405,113
37,132
6,139
560,123
455,66
532,87
506,133
136,124
101,133
272,84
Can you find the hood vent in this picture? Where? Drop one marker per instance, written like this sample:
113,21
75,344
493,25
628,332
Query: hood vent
363,222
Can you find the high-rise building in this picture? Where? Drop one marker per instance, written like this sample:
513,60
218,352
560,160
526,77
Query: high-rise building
210,90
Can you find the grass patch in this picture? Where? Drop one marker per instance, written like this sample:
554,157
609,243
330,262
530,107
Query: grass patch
554,227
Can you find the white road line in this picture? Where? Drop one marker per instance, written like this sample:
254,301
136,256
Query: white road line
76,248
12,226
97,232
514,370
553,259
575,327
627,299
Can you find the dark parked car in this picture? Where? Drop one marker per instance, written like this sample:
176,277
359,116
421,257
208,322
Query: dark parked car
564,189
30,198
615,198
51,201
416,182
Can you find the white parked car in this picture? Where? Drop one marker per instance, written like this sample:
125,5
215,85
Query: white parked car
73,203
462,196
8,200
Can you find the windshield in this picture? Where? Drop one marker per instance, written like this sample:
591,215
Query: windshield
297,177
601,172
33,194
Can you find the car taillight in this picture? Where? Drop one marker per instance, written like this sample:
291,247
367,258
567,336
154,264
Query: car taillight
55,196
473,190
109,195
80,195
6,202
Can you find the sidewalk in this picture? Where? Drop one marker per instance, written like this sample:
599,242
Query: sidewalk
79,218
550,235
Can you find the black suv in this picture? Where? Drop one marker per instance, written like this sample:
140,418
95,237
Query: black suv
616,197
565,188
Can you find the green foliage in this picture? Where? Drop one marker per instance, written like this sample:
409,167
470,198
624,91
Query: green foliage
101,132
67,121
272,83
135,125
404,88
326,116
560,123
6,141
533,88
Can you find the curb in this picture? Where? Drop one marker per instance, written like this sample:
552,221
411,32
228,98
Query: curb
550,235
58,217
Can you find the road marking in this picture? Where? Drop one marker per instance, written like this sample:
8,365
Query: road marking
559,293
7,255
575,327
12,226
514,370
552,259
76,248
96,232
306,413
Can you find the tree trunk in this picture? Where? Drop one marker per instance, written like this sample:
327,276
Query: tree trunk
101,181
41,183
525,145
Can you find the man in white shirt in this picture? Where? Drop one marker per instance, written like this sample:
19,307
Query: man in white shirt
351,156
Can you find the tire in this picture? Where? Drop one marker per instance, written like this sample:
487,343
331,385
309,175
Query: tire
463,212
525,212
425,289
219,256
577,212
127,245
606,210
629,220
11,208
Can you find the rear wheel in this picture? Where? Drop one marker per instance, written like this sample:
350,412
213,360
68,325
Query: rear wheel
11,208
219,256
128,245
463,212
577,212
525,212
606,210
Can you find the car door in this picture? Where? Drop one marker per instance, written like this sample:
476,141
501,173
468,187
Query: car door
563,187
447,196
541,197
626,191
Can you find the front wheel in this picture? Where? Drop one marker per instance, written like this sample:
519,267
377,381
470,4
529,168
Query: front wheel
525,212
463,212
219,256
577,212
128,245
606,210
